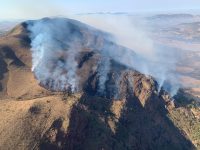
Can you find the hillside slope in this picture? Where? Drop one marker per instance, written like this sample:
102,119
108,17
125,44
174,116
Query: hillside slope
33,117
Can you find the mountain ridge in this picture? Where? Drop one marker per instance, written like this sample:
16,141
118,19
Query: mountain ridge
137,119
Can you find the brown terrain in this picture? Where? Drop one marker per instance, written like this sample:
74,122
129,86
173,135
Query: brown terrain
183,38
33,117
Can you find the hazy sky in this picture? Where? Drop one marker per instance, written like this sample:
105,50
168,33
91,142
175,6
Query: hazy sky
41,8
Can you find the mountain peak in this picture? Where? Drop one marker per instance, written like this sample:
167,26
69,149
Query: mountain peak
102,104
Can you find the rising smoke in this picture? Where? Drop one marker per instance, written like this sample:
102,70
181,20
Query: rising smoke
58,41
53,53
133,32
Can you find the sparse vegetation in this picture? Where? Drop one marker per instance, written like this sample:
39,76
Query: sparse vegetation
36,108
33,115
187,117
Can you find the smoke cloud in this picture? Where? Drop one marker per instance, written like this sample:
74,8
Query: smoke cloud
58,41
103,70
53,53
151,59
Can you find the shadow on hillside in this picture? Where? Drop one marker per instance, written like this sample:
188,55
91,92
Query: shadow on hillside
3,70
3,64
149,128
7,54
184,99
139,128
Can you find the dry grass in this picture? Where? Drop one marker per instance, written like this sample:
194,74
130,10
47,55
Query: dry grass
22,123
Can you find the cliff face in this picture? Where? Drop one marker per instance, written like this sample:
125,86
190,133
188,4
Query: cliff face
129,114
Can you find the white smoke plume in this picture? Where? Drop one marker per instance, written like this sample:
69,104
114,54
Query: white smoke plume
103,70
53,53
54,41
132,32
